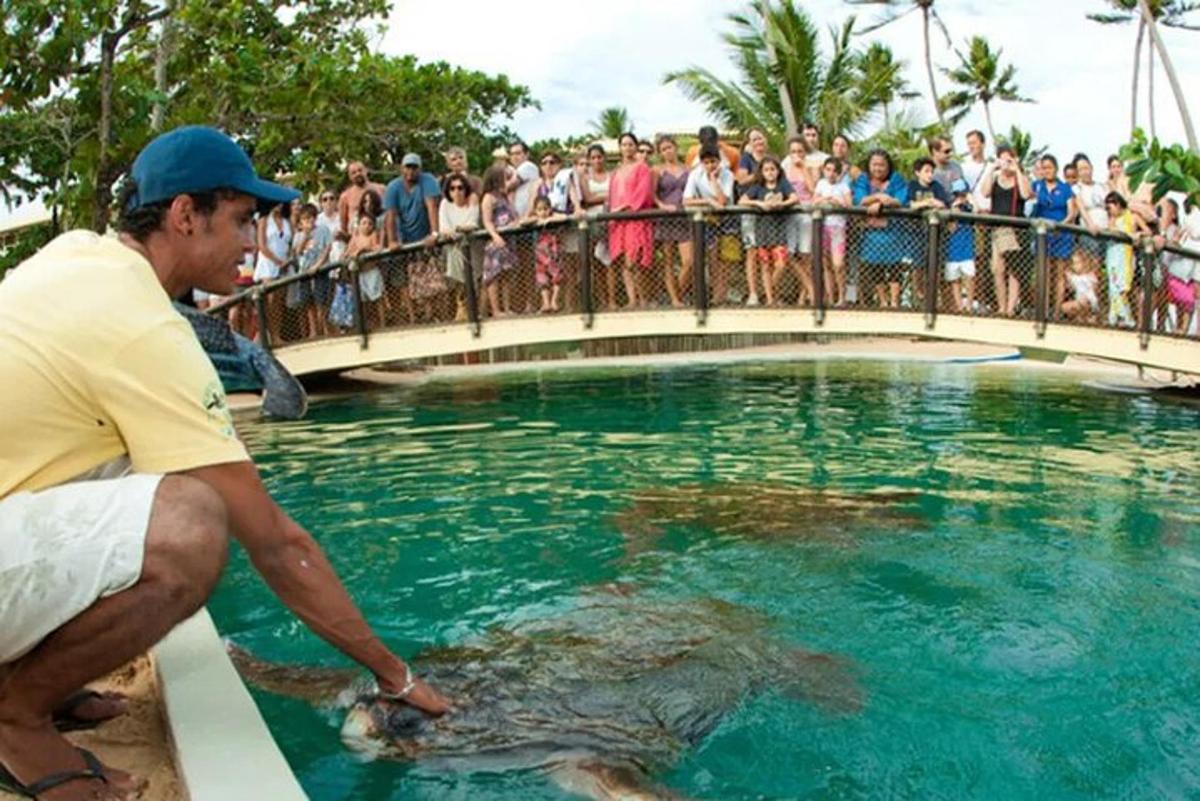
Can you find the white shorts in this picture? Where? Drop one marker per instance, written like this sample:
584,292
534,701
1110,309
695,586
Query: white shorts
64,548
799,234
960,269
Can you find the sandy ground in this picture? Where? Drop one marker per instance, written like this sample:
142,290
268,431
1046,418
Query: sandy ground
137,742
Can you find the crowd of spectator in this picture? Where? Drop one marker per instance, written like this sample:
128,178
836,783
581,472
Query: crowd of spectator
873,259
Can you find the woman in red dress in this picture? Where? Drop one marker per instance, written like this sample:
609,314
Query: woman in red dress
631,242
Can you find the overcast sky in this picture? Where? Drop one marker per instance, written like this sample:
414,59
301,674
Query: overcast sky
579,57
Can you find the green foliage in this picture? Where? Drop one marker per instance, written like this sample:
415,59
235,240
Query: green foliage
18,246
1167,169
1022,143
906,141
611,123
820,88
295,81
1171,13
980,78
881,79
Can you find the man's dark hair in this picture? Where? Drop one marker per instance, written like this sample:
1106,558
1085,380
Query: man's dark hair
710,152
922,163
979,133
810,126
139,223
1051,159
707,134
518,143
309,210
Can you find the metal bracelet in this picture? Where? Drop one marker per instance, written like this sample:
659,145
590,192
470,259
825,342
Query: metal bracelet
410,684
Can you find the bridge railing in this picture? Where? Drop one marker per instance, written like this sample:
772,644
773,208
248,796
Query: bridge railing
814,258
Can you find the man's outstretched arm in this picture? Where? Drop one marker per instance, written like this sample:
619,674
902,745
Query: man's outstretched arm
297,571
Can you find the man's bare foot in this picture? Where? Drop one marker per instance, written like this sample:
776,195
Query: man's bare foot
88,708
31,752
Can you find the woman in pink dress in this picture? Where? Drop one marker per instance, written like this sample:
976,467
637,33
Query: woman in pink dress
631,241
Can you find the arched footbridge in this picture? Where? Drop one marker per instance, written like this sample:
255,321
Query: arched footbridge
792,271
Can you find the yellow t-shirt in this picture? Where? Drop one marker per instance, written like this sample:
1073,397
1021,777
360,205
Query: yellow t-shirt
95,364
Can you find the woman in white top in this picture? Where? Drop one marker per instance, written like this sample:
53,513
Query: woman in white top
1093,214
274,247
458,216
595,199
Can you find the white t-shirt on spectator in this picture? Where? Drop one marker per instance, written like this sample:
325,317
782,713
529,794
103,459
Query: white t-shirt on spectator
828,191
331,221
523,195
697,185
1091,199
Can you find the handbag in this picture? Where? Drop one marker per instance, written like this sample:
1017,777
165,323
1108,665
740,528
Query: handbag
341,310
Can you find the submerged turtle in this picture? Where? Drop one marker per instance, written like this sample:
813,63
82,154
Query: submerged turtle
244,366
600,698
756,510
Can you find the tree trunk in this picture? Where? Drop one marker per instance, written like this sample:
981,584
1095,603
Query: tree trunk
987,116
162,55
937,104
1137,66
785,95
102,187
1169,68
1150,90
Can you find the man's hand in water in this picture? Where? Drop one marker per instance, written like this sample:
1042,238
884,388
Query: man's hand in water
422,696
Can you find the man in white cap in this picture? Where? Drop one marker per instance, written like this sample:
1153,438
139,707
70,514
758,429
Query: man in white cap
121,476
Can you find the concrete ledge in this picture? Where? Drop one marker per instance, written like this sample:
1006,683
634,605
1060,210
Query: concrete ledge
223,750
343,353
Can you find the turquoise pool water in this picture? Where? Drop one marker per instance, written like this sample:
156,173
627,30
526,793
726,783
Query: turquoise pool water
1026,629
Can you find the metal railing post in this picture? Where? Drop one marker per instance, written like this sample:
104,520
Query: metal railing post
933,257
1041,297
1147,255
585,273
471,296
360,316
264,326
700,267
818,265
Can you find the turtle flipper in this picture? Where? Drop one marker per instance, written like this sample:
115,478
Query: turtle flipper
283,394
597,781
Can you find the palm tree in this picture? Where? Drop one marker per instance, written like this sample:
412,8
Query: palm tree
612,122
881,79
928,13
979,78
1171,13
784,76
1022,144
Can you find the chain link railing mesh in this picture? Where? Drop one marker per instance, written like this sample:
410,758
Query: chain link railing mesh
792,258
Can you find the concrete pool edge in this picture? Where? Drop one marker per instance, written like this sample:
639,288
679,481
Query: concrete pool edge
222,748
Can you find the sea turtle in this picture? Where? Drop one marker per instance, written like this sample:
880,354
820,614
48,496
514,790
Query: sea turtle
244,366
762,511
601,697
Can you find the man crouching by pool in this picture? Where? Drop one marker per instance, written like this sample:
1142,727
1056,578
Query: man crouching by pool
121,477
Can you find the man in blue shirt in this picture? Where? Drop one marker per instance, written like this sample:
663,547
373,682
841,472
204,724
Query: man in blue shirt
410,205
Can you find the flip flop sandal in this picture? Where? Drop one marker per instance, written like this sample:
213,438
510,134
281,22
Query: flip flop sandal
93,771
65,719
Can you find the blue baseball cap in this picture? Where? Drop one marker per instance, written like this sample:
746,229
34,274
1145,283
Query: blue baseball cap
196,158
